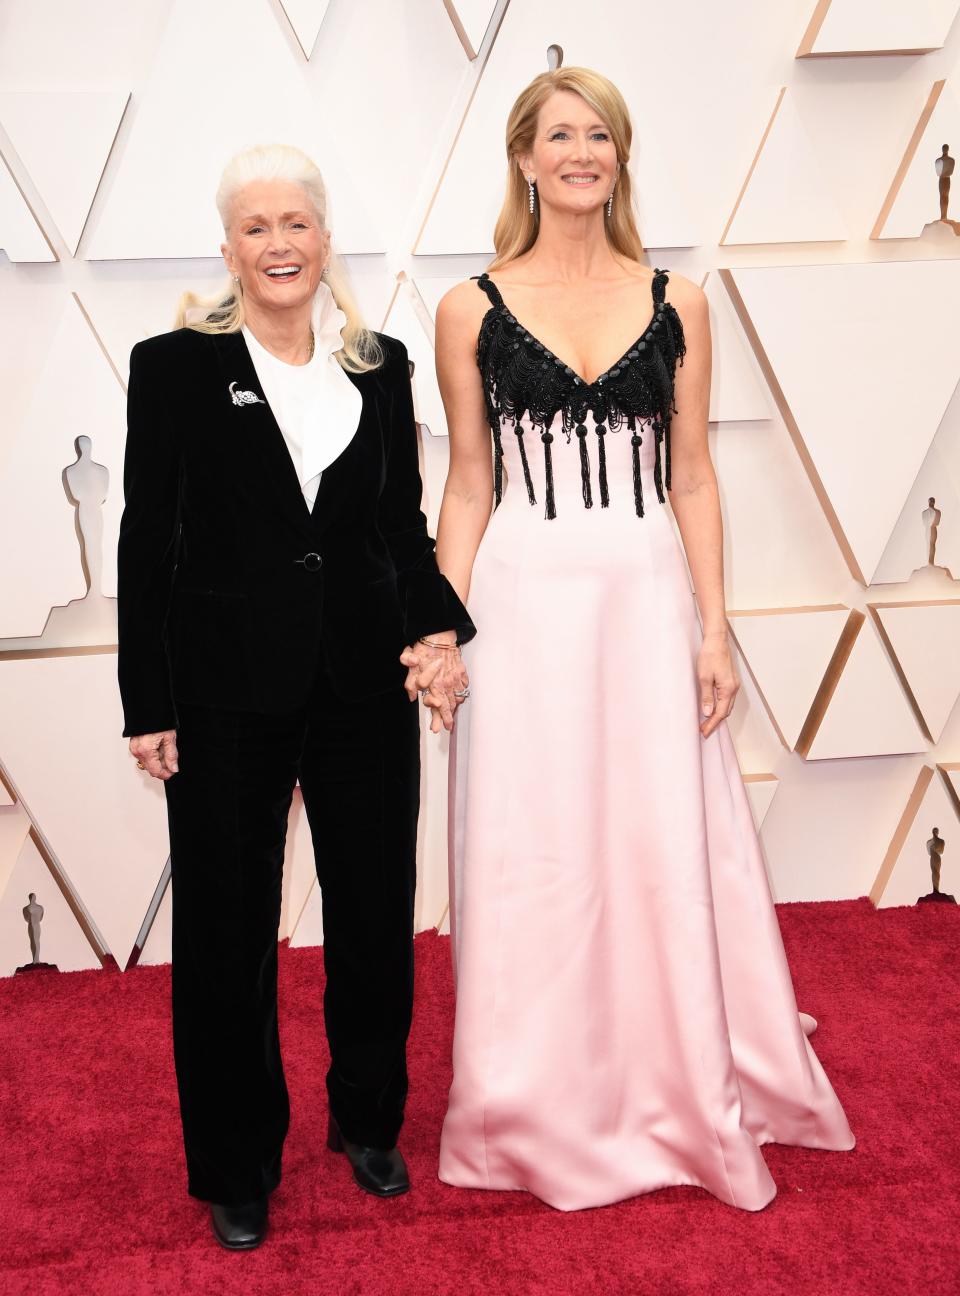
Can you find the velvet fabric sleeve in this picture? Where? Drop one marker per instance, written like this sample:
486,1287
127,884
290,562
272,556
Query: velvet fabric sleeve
146,555
430,603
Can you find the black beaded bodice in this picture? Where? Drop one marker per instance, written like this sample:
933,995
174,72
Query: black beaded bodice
523,377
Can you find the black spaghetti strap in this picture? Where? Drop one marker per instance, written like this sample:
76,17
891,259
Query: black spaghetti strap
659,286
490,288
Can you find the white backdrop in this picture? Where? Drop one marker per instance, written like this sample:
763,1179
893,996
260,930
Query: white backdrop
784,157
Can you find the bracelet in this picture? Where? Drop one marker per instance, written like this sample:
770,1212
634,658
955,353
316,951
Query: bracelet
446,647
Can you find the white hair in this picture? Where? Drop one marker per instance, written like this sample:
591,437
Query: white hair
224,313
271,162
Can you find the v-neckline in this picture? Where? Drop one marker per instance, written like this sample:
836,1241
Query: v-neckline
639,343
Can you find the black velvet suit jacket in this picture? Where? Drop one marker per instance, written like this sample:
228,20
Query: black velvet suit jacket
216,603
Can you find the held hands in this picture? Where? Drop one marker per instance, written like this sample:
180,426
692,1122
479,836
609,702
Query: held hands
718,681
156,753
439,674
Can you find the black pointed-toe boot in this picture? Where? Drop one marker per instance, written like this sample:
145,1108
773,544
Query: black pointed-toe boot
381,1171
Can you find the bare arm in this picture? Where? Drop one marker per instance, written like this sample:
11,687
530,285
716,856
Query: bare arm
696,506
468,493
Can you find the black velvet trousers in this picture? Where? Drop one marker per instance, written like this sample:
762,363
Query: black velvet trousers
358,766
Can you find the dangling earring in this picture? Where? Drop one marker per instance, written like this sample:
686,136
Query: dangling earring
236,278
610,205
532,195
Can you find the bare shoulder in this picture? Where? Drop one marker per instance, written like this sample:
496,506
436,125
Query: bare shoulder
461,310
688,298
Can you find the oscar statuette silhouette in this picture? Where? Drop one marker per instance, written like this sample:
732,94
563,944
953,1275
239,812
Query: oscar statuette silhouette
935,848
33,916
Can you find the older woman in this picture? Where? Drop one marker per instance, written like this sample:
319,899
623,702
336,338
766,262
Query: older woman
274,562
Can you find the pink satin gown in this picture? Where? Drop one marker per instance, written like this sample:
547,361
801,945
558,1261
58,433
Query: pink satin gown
625,1014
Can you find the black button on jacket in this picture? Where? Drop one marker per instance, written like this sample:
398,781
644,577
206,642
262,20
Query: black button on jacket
216,602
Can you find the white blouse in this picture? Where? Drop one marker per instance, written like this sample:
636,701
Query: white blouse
315,405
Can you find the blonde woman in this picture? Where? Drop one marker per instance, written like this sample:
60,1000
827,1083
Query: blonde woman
625,1014
274,563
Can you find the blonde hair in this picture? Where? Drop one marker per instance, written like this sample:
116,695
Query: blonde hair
224,313
517,228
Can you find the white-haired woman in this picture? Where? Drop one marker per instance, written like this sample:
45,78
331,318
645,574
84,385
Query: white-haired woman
625,1017
274,563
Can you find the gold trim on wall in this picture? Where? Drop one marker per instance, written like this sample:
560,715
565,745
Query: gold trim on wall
96,192
828,685
945,767
458,27
100,343
753,165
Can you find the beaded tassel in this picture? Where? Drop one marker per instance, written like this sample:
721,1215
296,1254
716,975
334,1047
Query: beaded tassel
497,465
528,480
584,466
602,456
636,442
547,439
657,469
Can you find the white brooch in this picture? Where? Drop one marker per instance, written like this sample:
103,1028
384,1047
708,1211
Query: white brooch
244,397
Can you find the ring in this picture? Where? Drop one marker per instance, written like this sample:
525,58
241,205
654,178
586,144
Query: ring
140,765
461,693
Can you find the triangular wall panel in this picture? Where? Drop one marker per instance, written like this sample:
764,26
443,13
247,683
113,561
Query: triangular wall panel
868,713
75,392
432,288
761,789
905,874
913,200
21,237
951,773
923,640
192,136
405,321
788,651
785,198
64,139
306,18
104,820
856,27
14,827
470,19
62,940
882,384
299,868
907,552
158,946
309,926
737,390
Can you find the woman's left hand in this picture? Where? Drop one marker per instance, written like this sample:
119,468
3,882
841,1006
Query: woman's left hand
439,673
717,679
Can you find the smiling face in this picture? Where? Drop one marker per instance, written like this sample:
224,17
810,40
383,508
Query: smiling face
276,244
573,159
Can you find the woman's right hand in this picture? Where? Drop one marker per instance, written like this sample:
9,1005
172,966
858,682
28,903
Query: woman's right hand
157,753
440,675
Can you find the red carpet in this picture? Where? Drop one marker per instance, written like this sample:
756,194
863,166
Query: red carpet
91,1190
